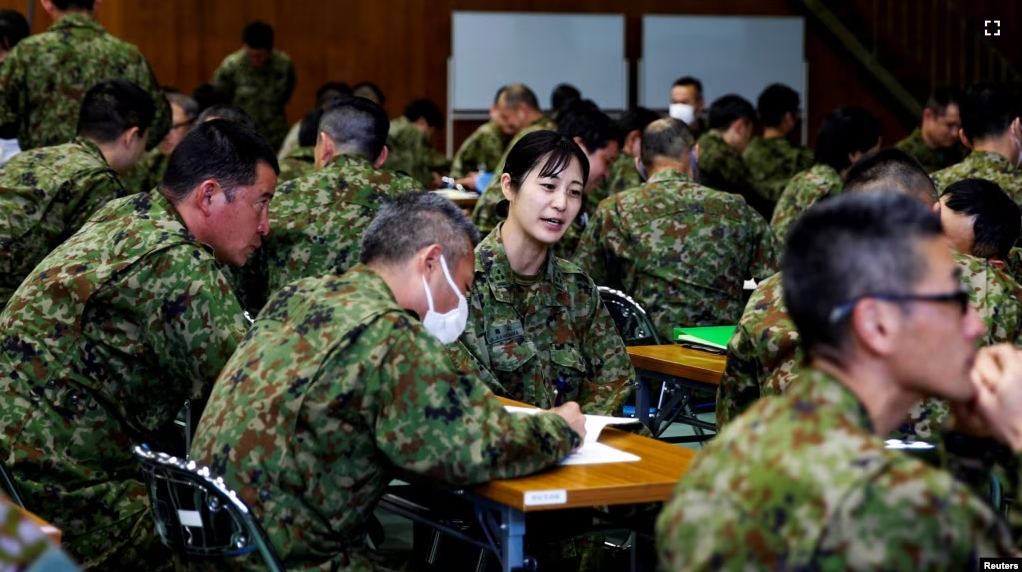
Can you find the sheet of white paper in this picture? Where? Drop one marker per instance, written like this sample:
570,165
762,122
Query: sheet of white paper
749,285
597,454
594,423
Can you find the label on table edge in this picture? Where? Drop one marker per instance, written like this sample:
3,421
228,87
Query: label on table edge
540,498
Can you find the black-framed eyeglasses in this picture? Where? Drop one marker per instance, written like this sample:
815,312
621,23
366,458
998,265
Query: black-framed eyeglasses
961,297
182,124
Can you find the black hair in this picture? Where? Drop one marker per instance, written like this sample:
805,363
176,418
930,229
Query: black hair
332,90
998,218
634,119
207,95
943,97
309,128
228,112
65,5
988,110
562,95
435,219
776,101
356,125
554,148
360,88
891,169
848,247
583,119
219,149
666,137
112,107
258,35
730,108
845,131
13,28
424,108
689,80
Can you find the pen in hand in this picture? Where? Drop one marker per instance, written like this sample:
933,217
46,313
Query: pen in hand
559,391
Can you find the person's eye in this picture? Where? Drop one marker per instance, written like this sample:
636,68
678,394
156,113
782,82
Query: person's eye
574,193
548,186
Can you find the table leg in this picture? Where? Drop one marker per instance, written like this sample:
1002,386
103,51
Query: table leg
642,399
512,538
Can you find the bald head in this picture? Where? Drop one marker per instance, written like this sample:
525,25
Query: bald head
666,138
516,94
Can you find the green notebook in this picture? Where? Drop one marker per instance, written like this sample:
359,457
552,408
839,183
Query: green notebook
715,337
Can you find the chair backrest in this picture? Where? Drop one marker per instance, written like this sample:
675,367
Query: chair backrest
10,486
197,514
632,322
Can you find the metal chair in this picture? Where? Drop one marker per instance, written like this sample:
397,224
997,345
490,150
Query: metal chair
10,486
198,515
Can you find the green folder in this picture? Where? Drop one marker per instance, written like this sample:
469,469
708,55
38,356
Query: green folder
715,337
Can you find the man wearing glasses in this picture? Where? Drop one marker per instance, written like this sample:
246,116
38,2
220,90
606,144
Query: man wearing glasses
804,481
146,174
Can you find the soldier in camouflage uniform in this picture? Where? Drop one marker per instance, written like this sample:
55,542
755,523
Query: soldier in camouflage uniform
326,92
301,160
623,173
319,219
339,384
483,149
260,80
687,104
764,357
682,251
146,174
935,143
719,156
804,481
111,333
518,107
43,78
772,160
538,324
990,123
47,194
409,144
846,135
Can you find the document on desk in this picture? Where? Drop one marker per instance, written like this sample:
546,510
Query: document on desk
591,452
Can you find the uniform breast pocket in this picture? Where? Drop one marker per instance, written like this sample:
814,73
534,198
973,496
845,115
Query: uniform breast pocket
567,364
511,355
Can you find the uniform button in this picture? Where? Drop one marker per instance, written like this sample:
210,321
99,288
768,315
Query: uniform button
50,384
74,399
264,495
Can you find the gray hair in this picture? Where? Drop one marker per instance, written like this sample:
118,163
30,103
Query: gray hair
412,221
667,137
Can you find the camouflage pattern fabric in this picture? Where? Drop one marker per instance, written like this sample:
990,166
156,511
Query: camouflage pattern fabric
772,163
317,223
412,152
46,195
801,482
482,150
803,191
568,244
101,346
45,77
335,387
932,159
298,163
764,357
532,332
262,92
721,168
483,215
145,175
984,165
622,175
681,250
24,546
290,141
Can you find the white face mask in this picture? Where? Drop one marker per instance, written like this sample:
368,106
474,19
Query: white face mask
445,327
682,111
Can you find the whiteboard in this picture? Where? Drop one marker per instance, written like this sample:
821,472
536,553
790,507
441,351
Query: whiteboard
728,54
491,49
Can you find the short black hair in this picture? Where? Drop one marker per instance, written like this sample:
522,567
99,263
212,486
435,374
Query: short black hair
689,80
187,104
226,151
583,119
845,131
228,112
998,218
436,220
424,108
730,108
356,125
562,95
362,87
112,107
848,247
943,97
332,90
64,5
891,169
557,149
207,95
634,119
258,35
988,110
517,93
13,28
776,101
667,137
309,128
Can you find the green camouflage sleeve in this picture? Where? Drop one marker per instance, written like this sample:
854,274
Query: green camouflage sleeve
97,190
608,366
766,260
12,94
590,254
223,80
739,386
448,426
289,84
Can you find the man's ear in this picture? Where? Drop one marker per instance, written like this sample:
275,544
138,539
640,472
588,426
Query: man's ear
927,114
382,157
326,148
965,140
128,138
202,198
997,263
875,325
430,258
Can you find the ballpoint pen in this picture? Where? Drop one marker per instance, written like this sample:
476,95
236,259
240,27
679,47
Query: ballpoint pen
559,391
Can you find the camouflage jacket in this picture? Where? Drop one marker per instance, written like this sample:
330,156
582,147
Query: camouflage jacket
261,92
101,346
984,165
682,251
334,389
317,223
46,195
622,176
721,168
932,159
145,175
764,356
412,152
483,214
801,482
803,191
481,151
531,336
45,77
772,163
298,163
290,141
